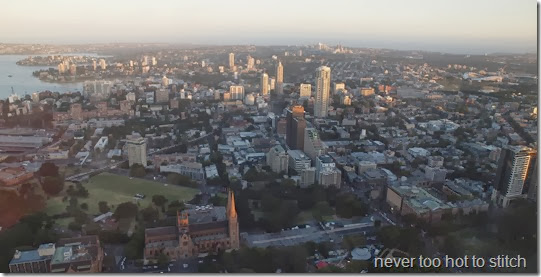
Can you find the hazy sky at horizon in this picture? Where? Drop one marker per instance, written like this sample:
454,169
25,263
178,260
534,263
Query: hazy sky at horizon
456,26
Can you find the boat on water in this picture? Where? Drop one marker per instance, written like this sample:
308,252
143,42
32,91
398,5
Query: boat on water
10,76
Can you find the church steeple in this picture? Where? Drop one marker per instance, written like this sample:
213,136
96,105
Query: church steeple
231,209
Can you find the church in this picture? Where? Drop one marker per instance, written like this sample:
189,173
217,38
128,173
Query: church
200,230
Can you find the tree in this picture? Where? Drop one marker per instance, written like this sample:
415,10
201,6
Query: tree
137,170
125,210
163,259
84,206
159,200
103,207
52,185
322,209
48,169
149,214
134,248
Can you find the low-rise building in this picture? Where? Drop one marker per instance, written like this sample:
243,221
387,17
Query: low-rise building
33,261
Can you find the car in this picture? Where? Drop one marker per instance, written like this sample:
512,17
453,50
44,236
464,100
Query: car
185,265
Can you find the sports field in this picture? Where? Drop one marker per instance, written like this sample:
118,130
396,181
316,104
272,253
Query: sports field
115,189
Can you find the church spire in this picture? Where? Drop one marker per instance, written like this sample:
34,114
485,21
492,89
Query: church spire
231,209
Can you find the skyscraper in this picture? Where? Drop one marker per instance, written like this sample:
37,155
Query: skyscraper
323,85
264,84
514,175
279,78
295,125
231,60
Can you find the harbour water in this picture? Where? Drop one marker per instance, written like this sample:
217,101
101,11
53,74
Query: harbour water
22,80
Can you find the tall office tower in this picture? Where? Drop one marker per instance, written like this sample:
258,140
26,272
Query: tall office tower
323,85
250,63
231,60
131,63
237,92
145,60
295,125
154,61
313,147
103,64
515,174
264,84
137,151
277,159
94,65
305,91
279,78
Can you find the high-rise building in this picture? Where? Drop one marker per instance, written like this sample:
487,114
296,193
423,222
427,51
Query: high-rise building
277,159
103,64
73,69
94,65
279,78
250,63
514,177
264,84
323,85
231,60
305,91
313,147
272,83
237,92
295,127
329,177
61,68
137,151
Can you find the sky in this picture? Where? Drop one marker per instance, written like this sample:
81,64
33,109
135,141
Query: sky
454,26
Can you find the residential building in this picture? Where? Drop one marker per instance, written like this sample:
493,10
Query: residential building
279,78
308,177
329,177
313,147
237,92
516,168
231,60
305,91
339,87
323,83
277,159
162,96
101,144
264,85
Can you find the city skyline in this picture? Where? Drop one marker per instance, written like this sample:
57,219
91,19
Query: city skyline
482,27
